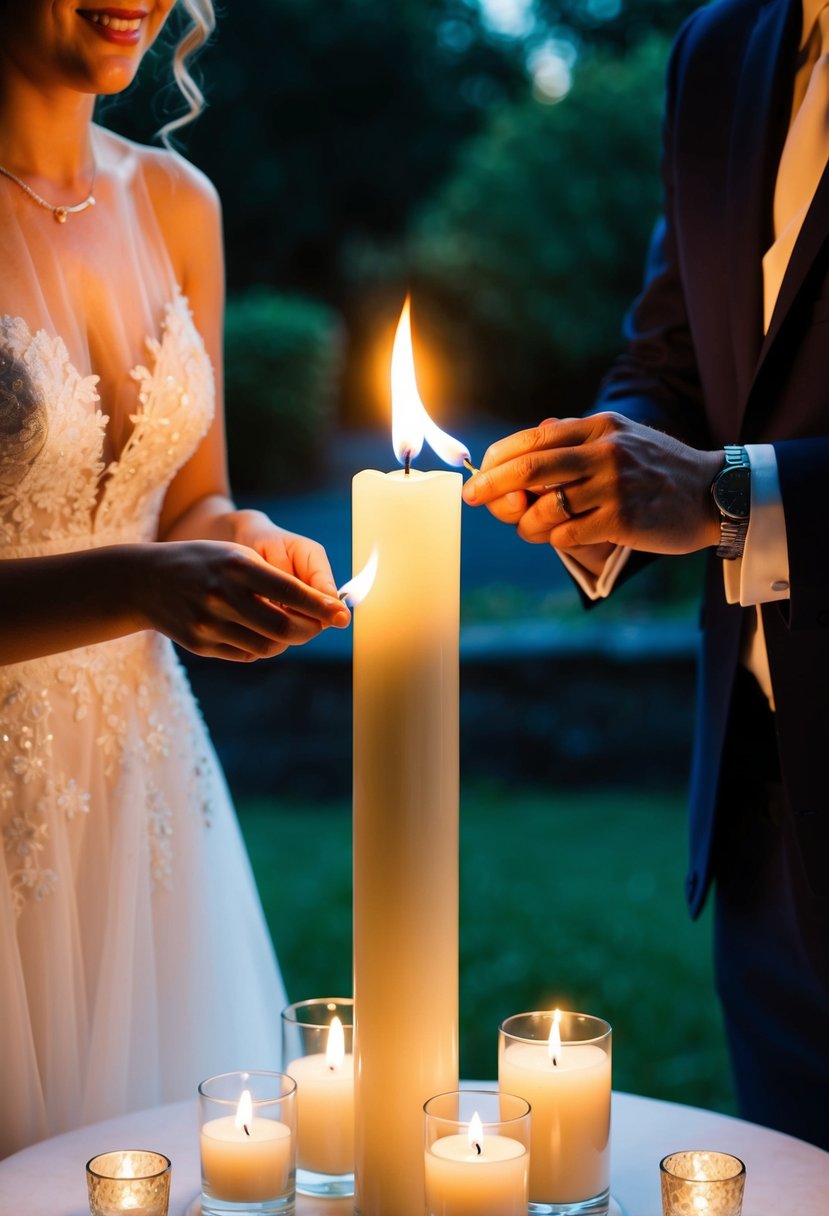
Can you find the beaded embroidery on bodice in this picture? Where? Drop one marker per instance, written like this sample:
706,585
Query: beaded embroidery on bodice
56,490
128,699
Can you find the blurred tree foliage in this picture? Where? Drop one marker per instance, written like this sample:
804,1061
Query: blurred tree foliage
615,25
362,146
282,363
327,119
523,264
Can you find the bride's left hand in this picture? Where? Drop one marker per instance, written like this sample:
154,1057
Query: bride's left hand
300,556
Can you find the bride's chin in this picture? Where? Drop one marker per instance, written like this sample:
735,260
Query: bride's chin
115,74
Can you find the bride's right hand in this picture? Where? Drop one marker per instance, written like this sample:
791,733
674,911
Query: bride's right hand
223,600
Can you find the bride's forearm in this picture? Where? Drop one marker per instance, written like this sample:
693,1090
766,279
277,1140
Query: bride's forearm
56,603
205,519
217,517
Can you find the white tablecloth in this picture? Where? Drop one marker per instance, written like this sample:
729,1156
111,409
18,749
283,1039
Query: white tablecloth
784,1176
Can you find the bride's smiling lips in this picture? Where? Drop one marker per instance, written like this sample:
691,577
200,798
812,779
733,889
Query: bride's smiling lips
119,25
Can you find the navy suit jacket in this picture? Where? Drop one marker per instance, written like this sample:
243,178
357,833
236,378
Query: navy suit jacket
699,367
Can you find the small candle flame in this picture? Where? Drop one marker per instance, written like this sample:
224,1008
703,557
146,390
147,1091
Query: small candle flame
357,588
475,1134
126,1169
450,450
335,1051
411,423
244,1112
554,1041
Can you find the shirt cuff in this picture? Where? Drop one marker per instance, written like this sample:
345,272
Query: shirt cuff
597,586
762,574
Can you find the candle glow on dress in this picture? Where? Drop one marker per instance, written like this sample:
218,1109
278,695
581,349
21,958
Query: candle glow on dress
405,803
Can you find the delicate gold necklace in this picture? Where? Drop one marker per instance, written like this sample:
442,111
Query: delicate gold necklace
60,213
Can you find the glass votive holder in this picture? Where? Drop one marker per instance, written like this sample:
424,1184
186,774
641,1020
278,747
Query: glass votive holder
700,1182
248,1144
477,1154
561,1064
133,1181
317,1047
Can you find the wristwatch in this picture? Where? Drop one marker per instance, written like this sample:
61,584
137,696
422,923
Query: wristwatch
731,491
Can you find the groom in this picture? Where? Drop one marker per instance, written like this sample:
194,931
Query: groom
712,431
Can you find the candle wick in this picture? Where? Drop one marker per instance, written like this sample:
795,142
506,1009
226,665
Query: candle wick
407,468
555,1061
478,1148
247,1130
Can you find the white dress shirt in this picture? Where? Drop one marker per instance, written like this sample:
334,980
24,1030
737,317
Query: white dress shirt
758,577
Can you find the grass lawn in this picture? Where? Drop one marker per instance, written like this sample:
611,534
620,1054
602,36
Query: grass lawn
566,899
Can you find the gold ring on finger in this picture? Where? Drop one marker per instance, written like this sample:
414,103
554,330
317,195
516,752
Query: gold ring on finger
561,500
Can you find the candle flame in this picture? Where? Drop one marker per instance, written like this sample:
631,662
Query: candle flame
335,1051
244,1112
357,588
411,423
554,1041
126,1169
475,1134
407,409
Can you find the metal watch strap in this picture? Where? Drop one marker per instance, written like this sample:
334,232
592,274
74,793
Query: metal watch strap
733,531
732,538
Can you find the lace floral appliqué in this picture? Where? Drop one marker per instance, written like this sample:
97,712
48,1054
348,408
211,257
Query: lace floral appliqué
120,708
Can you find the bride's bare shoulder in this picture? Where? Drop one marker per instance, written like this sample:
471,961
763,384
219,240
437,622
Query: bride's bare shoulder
184,199
171,179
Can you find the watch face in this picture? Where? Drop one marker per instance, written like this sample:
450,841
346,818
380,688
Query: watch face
732,492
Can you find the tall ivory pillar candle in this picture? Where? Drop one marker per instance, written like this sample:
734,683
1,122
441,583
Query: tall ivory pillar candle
405,826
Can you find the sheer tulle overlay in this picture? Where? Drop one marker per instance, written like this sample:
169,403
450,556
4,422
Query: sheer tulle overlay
134,957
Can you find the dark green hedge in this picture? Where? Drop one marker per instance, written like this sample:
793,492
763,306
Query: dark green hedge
283,357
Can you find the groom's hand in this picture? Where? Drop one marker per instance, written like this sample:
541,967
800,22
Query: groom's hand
602,480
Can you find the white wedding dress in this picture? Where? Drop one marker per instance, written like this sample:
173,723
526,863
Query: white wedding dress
134,957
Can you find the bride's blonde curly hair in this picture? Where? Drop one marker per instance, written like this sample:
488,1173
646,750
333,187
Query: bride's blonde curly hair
200,23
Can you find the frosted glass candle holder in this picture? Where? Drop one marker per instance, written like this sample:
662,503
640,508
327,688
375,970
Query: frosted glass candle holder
700,1182
128,1181
317,1047
561,1064
477,1154
248,1144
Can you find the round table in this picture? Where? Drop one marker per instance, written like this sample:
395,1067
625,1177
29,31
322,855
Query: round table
783,1176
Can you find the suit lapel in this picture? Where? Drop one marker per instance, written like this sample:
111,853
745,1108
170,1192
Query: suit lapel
810,240
761,119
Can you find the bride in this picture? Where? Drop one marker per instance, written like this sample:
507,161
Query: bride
134,958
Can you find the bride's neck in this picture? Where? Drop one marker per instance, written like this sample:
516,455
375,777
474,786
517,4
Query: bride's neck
46,136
